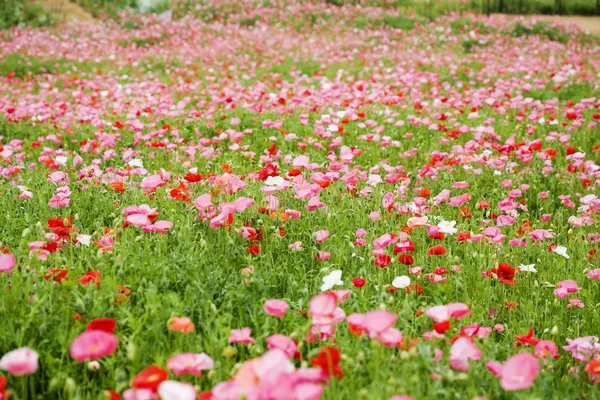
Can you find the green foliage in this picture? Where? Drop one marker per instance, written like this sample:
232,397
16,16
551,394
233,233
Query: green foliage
541,29
108,7
21,12
399,22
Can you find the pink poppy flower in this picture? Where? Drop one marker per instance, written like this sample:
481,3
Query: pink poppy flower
565,288
93,345
275,307
519,372
7,262
321,236
545,348
190,363
241,336
461,352
575,303
150,183
18,362
283,343
593,274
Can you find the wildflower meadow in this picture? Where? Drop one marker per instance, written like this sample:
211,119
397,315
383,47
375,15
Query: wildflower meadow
291,200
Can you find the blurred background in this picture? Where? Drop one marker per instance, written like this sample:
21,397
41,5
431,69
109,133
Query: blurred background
49,12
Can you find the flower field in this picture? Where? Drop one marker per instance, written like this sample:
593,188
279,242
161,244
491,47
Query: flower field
295,201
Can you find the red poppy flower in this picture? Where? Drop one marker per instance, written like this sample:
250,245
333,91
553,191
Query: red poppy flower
441,327
465,213
406,259
90,277
438,236
436,251
61,226
414,288
111,395
150,378
382,260
269,170
192,178
179,193
593,367
359,282
102,324
505,273
529,339
463,236
329,361
4,394
57,275
117,187
254,249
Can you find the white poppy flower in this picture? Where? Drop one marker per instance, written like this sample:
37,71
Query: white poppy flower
400,282
562,251
527,268
275,181
448,227
333,279
136,162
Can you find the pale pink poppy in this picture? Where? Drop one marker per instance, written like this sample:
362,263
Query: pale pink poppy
519,372
461,352
18,362
190,363
321,236
275,307
241,336
283,343
150,183
93,345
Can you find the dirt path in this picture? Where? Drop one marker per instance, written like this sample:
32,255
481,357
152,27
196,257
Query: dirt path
67,10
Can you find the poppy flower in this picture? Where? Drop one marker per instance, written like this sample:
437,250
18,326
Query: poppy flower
253,249
4,394
504,273
328,360
111,395
192,178
436,251
382,260
102,324
19,362
406,259
150,378
181,324
190,363
593,367
519,372
359,282
57,275
93,345
90,277
529,339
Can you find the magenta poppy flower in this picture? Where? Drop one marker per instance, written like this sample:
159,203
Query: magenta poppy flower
7,262
93,345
